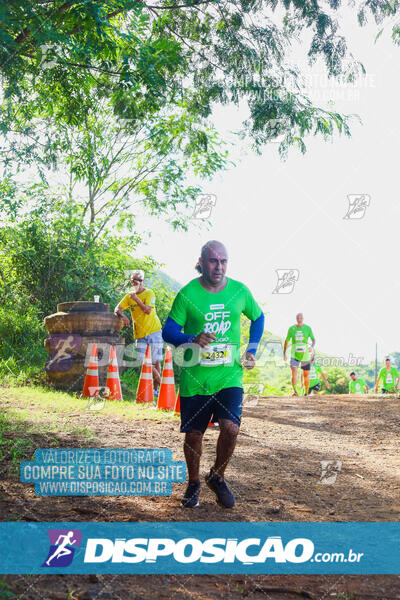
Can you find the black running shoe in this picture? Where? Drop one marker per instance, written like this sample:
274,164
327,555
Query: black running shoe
224,495
191,497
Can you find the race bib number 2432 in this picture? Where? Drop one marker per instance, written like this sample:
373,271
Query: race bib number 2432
219,354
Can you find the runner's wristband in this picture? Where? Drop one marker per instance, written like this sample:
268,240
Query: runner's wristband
172,333
256,331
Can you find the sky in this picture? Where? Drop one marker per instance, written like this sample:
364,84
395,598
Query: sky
274,215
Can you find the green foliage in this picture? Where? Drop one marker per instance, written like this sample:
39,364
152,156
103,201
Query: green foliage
130,380
14,445
6,592
47,256
338,380
271,376
21,340
269,380
110,166
57,58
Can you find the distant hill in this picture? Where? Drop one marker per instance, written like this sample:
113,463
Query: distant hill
159,275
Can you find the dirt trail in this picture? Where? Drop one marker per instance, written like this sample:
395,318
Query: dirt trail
275,474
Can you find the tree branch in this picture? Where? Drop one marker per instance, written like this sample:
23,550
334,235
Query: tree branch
171,6
27,32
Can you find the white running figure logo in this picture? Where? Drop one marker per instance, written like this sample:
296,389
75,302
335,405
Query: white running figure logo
62,550
62,347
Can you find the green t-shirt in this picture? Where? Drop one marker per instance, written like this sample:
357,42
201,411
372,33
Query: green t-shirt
389,378
315,371
299,336
196,310
357,387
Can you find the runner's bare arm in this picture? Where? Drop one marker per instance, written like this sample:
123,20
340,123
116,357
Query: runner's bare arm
204,339
325,380
248,361
285,345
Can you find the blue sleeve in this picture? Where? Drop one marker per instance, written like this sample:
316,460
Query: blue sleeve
256,331
172,333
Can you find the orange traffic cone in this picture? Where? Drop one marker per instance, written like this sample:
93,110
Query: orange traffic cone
91,384
113,384
166,397
144,391
177,409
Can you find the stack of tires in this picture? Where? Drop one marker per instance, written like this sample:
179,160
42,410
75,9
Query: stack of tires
72,331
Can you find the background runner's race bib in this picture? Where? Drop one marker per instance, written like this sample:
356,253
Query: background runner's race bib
219,354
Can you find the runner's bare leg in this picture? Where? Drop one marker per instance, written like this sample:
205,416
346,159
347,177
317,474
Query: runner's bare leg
156,374
294,377
225,445
192,450
306,380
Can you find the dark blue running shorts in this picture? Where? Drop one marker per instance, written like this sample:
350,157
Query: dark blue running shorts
196,411
315,387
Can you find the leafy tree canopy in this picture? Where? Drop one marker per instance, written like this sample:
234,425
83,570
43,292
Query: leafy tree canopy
143,56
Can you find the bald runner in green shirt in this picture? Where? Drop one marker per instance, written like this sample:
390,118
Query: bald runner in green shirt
390,378
302,340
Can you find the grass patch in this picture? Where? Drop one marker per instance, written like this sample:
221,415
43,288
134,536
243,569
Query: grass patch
6,592
38,402
29,412
14,444
17,442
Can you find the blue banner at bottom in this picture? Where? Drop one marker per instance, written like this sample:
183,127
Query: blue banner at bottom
200,548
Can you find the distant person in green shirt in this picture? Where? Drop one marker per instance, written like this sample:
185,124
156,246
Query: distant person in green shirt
357,385
315,372
390,378
298,336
